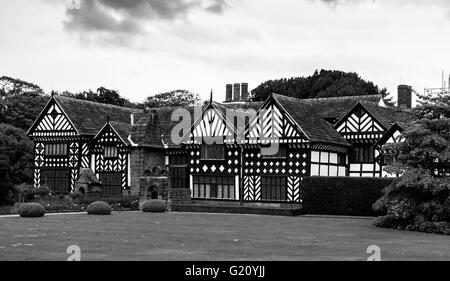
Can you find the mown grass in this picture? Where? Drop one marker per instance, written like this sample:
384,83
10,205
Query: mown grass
198,236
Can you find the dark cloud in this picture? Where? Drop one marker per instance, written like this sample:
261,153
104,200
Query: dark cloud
217,7
130,16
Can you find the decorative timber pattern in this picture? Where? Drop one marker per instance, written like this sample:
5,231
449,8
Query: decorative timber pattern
212,125
293,164
53,123
252,188
111,157
293,189
273,125
228,166
361,126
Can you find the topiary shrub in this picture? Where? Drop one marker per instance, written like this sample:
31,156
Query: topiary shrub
154,206
31,210
99,208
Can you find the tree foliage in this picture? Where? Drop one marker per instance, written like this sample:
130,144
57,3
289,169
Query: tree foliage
172,98
102,95
13,86
422,194
323,83
16,158
21,110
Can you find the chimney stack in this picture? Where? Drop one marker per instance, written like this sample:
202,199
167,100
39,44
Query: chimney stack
229,93
244,89
237,92
404,96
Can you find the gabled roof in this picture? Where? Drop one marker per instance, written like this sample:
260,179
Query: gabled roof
336,107
89,117
241,109
154,127
308,118
386,116
121,129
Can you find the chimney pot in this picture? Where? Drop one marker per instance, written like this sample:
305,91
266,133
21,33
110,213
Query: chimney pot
244,90
237,92
229,92
404,96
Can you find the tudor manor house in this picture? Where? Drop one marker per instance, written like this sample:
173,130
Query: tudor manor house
116,147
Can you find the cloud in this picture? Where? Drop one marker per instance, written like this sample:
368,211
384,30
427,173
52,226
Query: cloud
129,17
217,7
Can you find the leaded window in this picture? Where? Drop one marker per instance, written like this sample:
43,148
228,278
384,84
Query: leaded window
214,187
110,151
361,154
273,188
56,149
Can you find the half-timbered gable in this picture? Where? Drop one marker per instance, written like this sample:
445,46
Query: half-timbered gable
110,157
62,135
362,129
281,146
214,156
367,128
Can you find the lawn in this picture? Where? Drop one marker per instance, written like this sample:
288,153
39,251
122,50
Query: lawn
199,236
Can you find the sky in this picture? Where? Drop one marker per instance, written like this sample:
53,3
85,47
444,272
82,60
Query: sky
145,47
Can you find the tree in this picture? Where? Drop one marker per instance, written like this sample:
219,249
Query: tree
13,86
326,83
16,158
21,110
420,199
102,95
172,98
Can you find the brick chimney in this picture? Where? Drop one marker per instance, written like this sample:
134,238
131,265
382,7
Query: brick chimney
229,93
404,96
237,92
244,91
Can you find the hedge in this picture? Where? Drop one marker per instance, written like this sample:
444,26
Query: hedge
342,195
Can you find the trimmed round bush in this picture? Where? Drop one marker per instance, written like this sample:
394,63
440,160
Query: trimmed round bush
99,208
154,206
31,210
